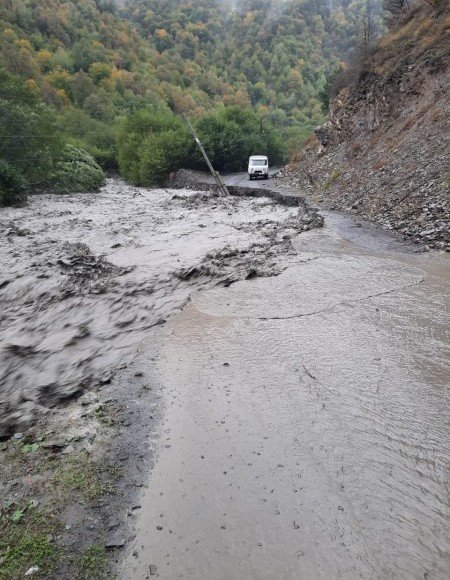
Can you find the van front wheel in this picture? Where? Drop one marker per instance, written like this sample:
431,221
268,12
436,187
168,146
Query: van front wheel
250,177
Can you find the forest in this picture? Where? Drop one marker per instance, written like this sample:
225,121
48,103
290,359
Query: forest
91,70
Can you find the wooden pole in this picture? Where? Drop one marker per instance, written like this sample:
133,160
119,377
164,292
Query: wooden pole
217,178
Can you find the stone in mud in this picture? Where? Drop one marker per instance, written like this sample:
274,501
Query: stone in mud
88,398
19,418
153,569
54,444
115,542
113,524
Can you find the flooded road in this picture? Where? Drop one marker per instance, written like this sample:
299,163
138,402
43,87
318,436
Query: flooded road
305,431
302,372
84,277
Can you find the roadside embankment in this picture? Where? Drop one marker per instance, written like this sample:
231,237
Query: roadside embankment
383,155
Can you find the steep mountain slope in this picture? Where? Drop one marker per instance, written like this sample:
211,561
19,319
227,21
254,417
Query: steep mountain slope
384,152
273,55
96,61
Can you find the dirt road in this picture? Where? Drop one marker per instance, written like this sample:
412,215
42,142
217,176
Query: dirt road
305,430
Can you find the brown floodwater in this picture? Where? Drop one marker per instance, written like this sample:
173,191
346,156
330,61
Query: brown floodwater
305,431
304,377
83,278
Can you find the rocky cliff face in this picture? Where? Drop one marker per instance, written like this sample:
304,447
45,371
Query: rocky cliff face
383,153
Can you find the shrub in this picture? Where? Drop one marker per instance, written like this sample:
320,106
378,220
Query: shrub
153,143
231,134
95,137
13,185
162,153
76,170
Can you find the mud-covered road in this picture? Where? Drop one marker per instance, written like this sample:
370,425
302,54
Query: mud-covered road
305,430
300,374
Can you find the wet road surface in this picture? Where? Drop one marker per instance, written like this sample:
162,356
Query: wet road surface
305,431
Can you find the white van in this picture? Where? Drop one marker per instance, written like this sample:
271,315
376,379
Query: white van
258,166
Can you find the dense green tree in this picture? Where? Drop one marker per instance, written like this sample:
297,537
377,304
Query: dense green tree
13,185
32,149
29,140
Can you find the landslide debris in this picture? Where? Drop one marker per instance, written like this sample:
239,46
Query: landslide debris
384,152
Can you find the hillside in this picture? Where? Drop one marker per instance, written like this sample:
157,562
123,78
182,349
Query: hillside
384,152
96,61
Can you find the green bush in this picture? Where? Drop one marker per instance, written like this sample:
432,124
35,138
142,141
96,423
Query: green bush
76,170
162,153
231,134
97,138
153,143
13,186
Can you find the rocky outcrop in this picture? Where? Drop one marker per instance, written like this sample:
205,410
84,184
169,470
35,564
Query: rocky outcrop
383,153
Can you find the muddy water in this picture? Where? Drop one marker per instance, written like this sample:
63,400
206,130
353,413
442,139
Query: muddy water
84,277
306,430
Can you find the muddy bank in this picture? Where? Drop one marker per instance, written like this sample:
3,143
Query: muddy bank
86,276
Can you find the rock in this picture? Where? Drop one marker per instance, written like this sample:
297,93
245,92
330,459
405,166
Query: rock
18,435
31,571
115,542
113,524
54,444
89,398
153,569
323,134
159,528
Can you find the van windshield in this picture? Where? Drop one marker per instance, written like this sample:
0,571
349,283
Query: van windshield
259,161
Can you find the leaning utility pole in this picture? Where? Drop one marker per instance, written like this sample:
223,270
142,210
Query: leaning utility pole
220,184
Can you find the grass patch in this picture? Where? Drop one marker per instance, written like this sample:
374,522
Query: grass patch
92,564
90,478
335,175
26,540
